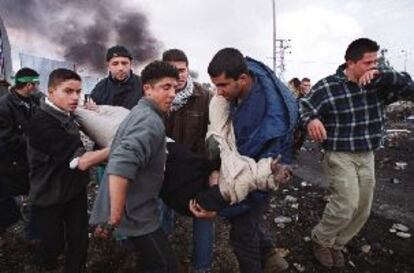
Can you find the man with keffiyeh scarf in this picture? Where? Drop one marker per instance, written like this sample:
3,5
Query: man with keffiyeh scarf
187,124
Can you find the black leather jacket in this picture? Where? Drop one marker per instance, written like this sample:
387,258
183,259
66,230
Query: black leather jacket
118,93
15,114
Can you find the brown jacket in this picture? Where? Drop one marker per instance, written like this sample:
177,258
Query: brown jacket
189,124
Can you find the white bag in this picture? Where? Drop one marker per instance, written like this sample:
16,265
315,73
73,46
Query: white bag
101,124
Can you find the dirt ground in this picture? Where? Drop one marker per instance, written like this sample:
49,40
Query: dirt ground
384,252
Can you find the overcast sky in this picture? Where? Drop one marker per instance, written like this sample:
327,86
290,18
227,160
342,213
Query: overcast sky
319,30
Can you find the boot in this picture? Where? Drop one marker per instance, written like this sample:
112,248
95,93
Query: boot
338,257
323,255
273,263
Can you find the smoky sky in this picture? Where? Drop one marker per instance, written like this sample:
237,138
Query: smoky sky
84,28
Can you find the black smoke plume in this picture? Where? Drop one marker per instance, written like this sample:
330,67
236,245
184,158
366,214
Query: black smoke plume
84,28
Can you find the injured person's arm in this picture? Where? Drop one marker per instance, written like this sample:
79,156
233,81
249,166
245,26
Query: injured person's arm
206,202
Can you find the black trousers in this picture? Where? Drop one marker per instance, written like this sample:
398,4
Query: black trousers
9,211
64,226
157,255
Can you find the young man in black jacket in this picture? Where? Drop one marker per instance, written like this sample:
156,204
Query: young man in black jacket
58,177
16,109
122,87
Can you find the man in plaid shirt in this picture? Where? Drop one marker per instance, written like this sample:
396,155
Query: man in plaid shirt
345,112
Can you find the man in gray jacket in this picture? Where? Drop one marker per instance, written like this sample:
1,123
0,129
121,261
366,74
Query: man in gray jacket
128,197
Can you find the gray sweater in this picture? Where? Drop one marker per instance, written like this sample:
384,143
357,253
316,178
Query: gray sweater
138,153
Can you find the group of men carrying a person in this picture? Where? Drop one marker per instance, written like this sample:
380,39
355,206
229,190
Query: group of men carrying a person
253,116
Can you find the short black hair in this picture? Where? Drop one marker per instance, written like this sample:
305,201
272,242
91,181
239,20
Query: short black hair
61,75
22,73
174,55
118,51
305,80
229,61
158,70
359,47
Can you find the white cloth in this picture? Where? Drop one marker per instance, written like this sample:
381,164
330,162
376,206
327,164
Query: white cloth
101,124
239,175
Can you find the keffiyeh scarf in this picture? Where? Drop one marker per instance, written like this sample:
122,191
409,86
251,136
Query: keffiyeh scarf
183,96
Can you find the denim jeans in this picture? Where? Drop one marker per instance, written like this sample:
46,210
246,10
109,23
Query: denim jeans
167,218
203,242
203,238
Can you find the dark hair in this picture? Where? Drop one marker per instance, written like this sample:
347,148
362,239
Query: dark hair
118,51
305,80
295,82
24,72
158,70
229,61
359,47
174,55
60,75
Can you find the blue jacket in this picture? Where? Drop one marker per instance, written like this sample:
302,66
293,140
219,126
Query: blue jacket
263,123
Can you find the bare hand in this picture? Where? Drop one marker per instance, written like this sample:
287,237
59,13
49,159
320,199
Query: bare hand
115,219
199,212
92,158
90,105
368,77
84,161
213,179
316,130
281,173
101,231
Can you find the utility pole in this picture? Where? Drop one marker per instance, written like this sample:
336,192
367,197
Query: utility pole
405,52
274,36
383,58
282,47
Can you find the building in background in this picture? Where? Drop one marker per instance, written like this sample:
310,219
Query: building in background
5,60
44,66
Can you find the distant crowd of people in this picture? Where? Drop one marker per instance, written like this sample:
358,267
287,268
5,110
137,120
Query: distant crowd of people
185,149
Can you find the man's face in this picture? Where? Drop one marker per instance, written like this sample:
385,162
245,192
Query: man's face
305,87
228,88
368,61
182,74
66,95
32,87
162,92
119,67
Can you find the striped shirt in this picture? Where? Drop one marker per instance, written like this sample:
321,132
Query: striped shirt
353,115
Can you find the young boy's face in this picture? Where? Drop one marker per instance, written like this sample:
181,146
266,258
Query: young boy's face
66,95
162,92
